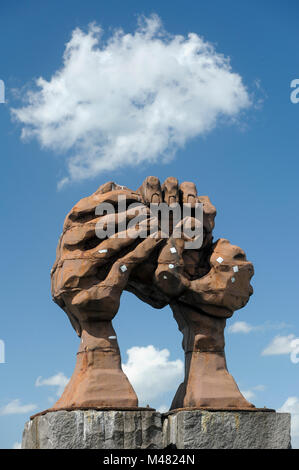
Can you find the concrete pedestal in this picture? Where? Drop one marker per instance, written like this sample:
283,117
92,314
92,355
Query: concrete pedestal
196,429
227,430
94,429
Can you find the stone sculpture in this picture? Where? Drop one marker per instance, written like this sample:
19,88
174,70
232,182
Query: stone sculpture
203,287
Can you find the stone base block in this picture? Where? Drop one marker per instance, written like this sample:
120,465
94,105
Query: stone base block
196,429
94,429
227,430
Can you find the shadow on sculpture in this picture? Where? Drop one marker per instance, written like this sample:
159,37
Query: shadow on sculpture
202,286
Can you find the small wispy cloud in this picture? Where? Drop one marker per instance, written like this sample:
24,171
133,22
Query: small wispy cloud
15,407
259,388
132,99
240,327
59,380
163,409
244,327
250,394
280,345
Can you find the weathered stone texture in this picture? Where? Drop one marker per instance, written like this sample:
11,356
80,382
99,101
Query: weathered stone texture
92,429
227,430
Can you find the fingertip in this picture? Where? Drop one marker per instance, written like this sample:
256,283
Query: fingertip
188,192
150,190
170,190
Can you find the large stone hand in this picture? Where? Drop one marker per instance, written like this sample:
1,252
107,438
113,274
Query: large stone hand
88,278
205,287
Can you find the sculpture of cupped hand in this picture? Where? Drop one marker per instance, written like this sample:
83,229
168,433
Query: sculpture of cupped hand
203,286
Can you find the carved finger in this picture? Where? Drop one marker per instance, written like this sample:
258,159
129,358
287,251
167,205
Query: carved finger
104,297
170,190
226,287
209,213
169,275
150,190
188,193
90,207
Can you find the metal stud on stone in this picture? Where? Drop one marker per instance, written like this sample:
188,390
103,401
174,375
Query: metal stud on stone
236,269
164,277
103,251
173,249
219,260
233,279
111,337
123,268
171,266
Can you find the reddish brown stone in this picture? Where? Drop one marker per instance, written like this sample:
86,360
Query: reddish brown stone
203,287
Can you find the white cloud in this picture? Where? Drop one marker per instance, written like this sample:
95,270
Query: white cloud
151,372
59,380
240,327
15,407
17,445
259,388
163,408
133,98
291,405
279,345
250,394
244,327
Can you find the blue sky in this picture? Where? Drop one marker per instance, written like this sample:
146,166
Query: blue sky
249,169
